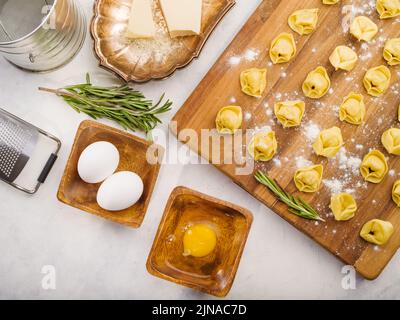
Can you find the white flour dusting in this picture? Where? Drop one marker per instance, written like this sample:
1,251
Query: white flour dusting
277,162
312,131
334,185
262,129
349,162
251,54
302,162
234,60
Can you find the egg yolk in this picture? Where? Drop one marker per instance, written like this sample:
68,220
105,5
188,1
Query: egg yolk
199,241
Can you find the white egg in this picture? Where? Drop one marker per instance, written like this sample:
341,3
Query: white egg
98,161
120,191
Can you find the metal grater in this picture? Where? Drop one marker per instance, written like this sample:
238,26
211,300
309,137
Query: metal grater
17,143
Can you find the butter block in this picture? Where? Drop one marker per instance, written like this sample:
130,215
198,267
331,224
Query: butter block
183,17
141,23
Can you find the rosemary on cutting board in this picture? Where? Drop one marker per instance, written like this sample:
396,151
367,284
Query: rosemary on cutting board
122,104
296,205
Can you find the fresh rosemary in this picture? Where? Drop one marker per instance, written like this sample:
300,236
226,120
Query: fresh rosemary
296,205
122,104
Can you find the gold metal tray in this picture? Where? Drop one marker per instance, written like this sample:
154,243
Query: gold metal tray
143,60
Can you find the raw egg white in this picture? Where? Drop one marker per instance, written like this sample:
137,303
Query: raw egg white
120,191
98,161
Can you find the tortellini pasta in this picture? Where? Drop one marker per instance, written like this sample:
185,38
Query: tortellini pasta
343,58
388,8
263,146
352,109
396,193
330,1
289,113
303,21
391,51
283,48
229,119
253,81
308,179
391,141
363,28
328,142
343,206
374,167
377,80
377,231
317,83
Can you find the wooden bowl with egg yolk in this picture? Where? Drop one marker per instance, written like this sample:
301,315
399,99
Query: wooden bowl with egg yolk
215,272
75,192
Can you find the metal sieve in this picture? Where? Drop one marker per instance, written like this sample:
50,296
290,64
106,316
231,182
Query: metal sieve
17,142
41,35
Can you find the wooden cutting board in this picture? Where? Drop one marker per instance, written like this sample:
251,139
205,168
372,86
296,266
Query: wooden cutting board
221,87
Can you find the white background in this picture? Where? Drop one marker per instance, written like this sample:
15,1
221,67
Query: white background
95,258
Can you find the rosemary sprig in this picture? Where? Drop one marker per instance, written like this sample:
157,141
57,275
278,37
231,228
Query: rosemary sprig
122,104
296,205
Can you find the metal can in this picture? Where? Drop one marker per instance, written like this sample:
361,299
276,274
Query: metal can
41,35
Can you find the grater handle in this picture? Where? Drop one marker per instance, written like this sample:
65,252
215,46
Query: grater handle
47,168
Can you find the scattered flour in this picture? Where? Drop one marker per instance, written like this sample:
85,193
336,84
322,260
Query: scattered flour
251,54
262,129
365,46
349,162
234,60
302,162
312,131
366,56
348,168
359,147
334,185
277,162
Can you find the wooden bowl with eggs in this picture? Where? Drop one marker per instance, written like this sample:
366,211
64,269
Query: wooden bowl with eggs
134,156
199,242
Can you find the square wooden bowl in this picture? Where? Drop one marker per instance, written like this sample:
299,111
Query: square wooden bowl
75,192
215,273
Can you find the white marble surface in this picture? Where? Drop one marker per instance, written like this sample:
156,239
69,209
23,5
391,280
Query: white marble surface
94,258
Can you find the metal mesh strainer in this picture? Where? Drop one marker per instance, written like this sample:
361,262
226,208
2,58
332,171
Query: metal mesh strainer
17,143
